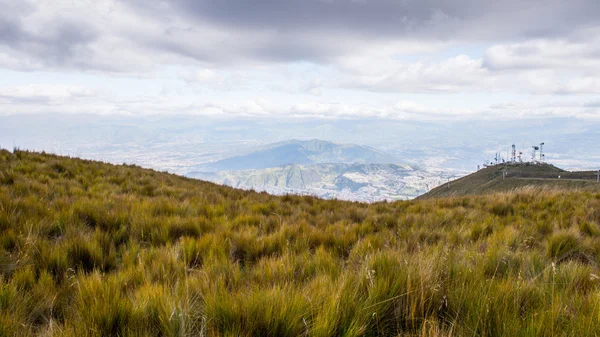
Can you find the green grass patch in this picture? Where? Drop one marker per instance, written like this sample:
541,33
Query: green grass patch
92,249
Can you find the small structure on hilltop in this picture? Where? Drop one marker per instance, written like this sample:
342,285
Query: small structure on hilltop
516,157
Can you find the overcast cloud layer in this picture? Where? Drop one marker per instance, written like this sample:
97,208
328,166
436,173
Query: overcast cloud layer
409,59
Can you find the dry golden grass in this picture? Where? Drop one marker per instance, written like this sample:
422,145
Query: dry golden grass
91,249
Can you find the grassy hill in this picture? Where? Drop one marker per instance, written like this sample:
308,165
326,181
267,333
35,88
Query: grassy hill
92,249
492,180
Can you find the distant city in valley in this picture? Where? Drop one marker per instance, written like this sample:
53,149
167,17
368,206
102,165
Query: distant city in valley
355,160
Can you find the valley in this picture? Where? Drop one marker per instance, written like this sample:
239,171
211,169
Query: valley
357,182
323,169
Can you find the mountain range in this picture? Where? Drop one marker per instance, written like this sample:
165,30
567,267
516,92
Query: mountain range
302,153
324,169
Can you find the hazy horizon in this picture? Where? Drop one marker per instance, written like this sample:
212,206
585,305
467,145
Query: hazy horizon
158,142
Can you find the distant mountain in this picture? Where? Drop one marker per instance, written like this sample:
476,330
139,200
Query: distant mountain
507,177
357,182
301,153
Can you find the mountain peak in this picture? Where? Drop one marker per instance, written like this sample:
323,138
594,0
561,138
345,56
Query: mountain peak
304,152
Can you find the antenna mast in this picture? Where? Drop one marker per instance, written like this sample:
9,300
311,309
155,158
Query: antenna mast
513,156
541,154
535,148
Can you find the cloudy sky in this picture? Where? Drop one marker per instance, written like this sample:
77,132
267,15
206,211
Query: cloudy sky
397,59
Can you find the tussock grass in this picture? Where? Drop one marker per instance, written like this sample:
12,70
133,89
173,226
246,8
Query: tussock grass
91,249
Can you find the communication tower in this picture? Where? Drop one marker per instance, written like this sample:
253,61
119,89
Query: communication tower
535,148
513,156
541,152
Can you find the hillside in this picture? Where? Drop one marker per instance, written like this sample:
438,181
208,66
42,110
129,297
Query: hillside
92,249
300,152
358,182
492,180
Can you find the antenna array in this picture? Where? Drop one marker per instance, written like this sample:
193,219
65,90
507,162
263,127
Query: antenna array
517,156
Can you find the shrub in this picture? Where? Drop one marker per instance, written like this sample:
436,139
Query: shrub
502,209
183,228
589,228
191,252
10,241
262,312
566,245
7,178
107,311
479,231
97,215
83,255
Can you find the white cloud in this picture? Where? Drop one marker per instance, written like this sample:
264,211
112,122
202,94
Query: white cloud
528,109
538,67
32,99
455,74
48,92
555,54
200,75
232,58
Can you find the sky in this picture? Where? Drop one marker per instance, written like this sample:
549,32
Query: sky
327,59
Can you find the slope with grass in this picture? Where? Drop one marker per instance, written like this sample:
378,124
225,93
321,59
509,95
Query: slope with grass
91,249
508,177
